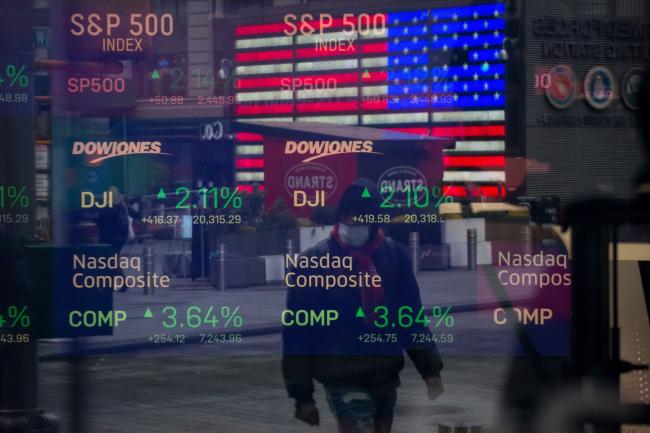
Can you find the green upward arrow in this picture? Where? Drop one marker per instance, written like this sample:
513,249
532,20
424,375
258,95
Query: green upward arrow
155,75
360,313
161,194
148,314
365,193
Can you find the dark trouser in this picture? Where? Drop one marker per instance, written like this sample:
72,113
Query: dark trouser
361,410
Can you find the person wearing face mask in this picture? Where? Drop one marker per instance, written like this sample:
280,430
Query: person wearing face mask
360,378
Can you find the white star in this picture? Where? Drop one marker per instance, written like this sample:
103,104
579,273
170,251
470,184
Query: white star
435,18
476,96
455,17
435,37
486,65
496,54
486,45
405,50
475,35
444,28
485,24
424,29
465,47
396,41
455,97
425,49
426,68
435,78
486,86
455,36
415,39
496,95
405,31
425,88
496,76
465,87
415,80
465,26
465,66
475,76
475,55
496,13
396,81
445,88
444,48
396,21
475,14
435,98
405,90
415,20
445,67
407,69
496,33
415,59
455,77
396,61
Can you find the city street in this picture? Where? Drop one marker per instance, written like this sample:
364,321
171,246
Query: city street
230,389
132,385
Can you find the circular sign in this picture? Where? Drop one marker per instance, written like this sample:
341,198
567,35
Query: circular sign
310,177
396,182
599,87
562,89
631,86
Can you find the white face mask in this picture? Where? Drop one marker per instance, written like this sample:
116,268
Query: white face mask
354,236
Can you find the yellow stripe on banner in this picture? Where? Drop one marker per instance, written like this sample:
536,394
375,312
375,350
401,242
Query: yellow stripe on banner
474,176
336,93
249,149
369,119
278,95
269,119
374,62
249,176
374,90
327,65
241,44
342,120
263,69
469,116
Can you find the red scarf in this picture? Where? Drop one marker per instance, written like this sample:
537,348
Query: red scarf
371,296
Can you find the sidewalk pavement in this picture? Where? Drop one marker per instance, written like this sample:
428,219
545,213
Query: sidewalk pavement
259,307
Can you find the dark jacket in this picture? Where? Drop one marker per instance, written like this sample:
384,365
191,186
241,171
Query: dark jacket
335,354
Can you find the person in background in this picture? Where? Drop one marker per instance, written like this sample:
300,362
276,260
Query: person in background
360,378
114,224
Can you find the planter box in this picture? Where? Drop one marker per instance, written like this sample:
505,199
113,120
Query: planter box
240,272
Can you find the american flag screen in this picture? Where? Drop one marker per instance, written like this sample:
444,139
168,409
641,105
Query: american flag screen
434,72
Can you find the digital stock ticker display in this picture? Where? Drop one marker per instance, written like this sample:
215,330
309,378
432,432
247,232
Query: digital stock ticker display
265,216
